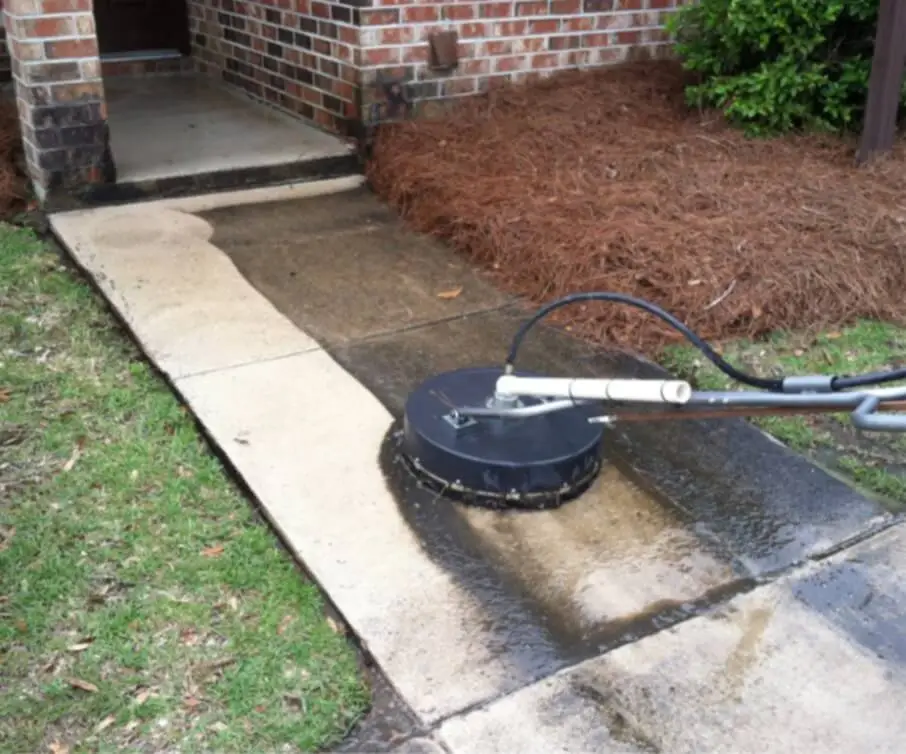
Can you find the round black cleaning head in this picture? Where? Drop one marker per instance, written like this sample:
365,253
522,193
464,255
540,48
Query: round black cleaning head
534,462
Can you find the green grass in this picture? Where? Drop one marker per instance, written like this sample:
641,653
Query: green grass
142,604
874,462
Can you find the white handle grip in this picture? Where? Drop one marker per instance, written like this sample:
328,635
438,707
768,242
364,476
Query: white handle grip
636,391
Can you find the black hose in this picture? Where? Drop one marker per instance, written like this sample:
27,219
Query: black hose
774,385
621,298
872,378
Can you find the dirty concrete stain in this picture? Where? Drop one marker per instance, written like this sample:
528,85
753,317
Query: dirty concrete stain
345,269
632,713
620,727
747,652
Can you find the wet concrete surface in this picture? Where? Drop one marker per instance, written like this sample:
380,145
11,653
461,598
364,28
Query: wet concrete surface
684,514
565,584
802,664
861,592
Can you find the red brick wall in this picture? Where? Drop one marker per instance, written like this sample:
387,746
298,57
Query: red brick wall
505,39
59,91
297,54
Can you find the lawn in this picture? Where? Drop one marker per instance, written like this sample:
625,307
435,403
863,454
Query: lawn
143,605
875,462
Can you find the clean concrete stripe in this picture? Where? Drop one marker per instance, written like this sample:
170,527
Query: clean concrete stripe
189,307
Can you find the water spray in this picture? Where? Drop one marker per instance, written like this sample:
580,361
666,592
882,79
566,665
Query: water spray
501,438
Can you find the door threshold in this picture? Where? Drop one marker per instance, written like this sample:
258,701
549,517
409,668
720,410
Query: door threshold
140,56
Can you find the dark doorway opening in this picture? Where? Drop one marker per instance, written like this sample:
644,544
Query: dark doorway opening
134,27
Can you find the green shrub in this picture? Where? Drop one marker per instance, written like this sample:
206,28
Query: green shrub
779,65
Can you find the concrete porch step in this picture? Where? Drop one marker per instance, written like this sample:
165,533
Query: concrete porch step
186,134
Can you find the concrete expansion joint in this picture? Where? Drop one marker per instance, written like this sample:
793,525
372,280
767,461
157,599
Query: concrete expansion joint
869,533
403,329
243,364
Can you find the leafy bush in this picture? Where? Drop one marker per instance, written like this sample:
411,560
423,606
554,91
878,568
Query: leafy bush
779,65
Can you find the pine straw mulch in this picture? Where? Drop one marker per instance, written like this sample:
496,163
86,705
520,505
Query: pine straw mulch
604,180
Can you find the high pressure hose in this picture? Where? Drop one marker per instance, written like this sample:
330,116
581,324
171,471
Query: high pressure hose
773,385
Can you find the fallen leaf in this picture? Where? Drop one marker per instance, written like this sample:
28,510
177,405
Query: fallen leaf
78,683
5,394
72,459
191,702
57,748
798,352
212,552
105,723
183,472
334,626
189,637
81,646
447,295
142,696
6,536
260,708
834,335
21,626
233,602
284,624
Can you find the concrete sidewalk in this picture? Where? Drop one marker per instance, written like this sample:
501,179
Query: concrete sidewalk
712,592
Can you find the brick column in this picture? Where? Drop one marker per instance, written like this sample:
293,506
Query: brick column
5,73
59,92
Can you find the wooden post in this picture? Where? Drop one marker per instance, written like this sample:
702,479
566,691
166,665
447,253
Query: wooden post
887,65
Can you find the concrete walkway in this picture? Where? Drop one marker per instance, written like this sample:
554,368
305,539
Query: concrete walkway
712,593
